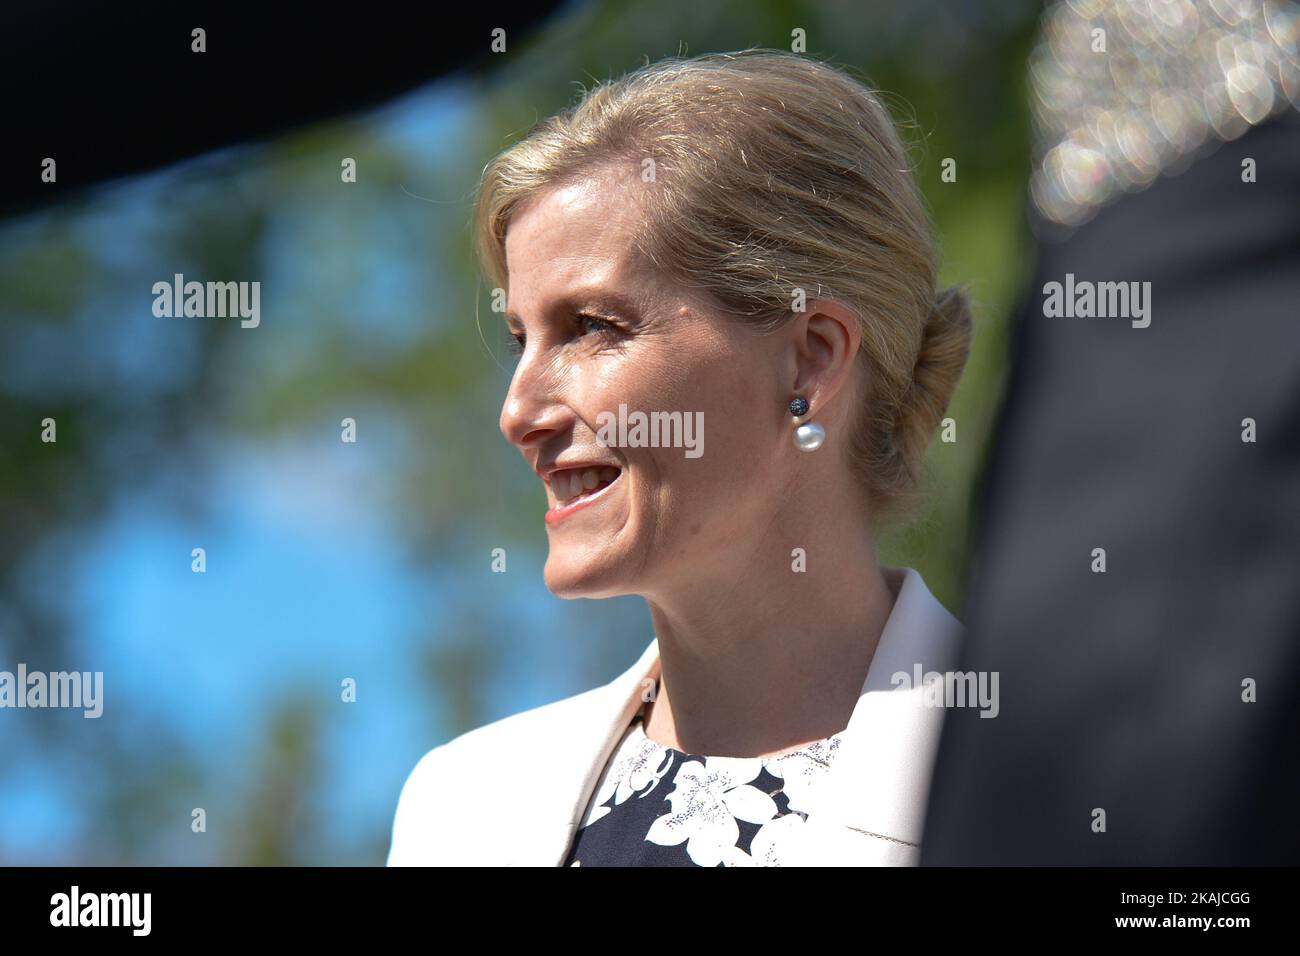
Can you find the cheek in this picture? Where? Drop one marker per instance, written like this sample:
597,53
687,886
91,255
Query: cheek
700,376
736,440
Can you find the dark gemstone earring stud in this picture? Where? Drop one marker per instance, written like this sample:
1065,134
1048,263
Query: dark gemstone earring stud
799,407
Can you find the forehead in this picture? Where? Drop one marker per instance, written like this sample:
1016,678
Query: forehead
578,234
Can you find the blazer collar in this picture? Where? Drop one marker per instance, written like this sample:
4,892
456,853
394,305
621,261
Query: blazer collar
872,797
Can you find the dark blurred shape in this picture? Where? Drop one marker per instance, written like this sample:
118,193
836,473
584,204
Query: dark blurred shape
1123,690
110,89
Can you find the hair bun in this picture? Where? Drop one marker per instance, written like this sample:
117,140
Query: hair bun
945,346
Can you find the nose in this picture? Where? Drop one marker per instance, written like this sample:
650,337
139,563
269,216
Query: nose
530,414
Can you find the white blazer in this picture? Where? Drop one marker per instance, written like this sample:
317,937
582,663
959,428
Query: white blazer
513,792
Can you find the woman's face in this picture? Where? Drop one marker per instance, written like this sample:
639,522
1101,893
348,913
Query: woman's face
601,329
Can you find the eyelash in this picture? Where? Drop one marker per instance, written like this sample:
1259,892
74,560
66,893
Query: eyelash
516,346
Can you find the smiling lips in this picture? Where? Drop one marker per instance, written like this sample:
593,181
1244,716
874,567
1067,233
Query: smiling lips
575,488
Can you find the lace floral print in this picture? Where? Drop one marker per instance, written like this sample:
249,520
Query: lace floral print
656,806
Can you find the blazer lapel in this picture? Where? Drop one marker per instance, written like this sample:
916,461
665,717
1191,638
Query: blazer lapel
870,807
569,778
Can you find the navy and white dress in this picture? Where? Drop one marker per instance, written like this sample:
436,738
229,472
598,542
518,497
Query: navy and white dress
656,806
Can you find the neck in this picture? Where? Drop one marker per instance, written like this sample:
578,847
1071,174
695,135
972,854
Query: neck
757,662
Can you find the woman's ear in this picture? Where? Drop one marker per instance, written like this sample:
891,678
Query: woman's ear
824,341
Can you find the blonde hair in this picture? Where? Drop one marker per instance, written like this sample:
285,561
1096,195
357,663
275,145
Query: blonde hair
772,172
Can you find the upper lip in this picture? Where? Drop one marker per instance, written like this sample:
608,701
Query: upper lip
545,472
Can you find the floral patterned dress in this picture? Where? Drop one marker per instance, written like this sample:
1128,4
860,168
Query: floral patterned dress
656,806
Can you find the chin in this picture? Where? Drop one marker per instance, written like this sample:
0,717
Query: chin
581,577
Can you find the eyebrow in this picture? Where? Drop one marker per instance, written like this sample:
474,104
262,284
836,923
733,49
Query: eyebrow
595,300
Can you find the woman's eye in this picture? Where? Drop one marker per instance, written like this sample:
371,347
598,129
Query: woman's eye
591,323
588,324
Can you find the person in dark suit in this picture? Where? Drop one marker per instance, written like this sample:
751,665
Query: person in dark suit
1137,579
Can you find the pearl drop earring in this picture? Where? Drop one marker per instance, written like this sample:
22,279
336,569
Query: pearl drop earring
808,436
